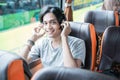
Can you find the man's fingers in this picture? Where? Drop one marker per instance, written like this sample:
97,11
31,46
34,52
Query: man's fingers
42,34
37,29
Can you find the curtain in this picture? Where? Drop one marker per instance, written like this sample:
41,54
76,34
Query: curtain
68,11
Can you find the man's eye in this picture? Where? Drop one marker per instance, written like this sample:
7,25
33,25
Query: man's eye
53,22
44,23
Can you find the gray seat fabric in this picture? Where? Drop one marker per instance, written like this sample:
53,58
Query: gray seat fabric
58,73
100,19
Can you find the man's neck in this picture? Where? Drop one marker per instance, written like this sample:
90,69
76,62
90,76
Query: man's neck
56,42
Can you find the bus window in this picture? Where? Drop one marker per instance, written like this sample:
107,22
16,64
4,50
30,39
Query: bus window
51,2
43,3
80,7
22,12
15,21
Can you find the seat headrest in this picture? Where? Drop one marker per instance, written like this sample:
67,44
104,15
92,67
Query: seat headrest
101,19
60,73
80,30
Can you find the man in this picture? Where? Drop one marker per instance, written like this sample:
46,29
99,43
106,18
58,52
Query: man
112,5
58,48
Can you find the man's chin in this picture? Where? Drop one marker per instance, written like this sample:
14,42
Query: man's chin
50,36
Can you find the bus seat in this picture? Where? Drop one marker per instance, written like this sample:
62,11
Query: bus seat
110,48
12,67
86,32
62,73
101,20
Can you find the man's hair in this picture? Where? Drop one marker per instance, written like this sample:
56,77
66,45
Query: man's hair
111,5
59,14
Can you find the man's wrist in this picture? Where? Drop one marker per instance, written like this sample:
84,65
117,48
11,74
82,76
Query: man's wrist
64,37
30,42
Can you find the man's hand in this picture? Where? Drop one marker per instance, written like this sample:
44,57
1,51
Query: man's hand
37,32
66,29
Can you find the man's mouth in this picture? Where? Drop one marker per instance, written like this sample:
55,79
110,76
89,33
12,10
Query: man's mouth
50,31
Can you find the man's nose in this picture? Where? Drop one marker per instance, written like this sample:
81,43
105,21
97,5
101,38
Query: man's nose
49,25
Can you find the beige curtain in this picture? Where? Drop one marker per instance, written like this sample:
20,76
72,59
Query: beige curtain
68,11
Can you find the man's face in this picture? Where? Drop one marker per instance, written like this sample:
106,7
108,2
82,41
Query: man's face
51,25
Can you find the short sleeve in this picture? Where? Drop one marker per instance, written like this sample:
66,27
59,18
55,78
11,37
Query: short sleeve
78,50
35,51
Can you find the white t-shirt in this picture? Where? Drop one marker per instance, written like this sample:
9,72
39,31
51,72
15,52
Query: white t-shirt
53,56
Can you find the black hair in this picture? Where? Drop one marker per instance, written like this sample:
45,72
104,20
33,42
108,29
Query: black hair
59,14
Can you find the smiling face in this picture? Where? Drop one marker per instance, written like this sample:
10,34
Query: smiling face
51,25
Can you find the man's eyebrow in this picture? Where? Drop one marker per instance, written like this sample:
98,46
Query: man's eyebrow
51,20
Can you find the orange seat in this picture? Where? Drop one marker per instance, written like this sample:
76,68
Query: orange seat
12,67
101,20
86,32
110,48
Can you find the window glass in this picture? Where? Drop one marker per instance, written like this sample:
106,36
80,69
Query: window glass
51,2
14,6
17,18
80,7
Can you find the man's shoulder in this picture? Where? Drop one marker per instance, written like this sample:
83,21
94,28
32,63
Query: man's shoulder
72,38
43,41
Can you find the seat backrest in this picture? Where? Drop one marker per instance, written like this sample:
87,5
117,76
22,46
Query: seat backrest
86,32
110,47
102,19
69,74
13,67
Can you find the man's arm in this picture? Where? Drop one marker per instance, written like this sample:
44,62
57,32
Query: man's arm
31,41
68,59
